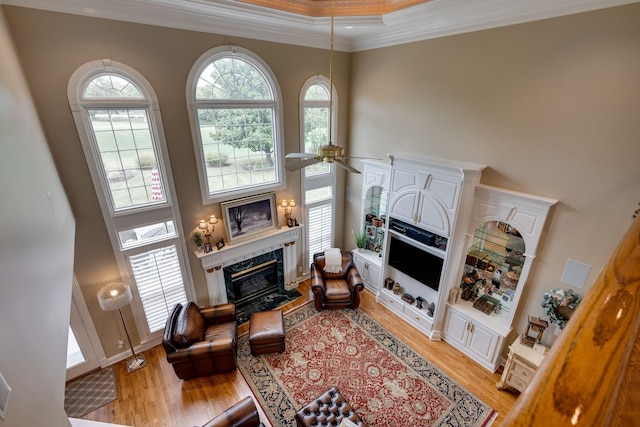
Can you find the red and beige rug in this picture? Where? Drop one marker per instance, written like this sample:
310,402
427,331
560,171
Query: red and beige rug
385,381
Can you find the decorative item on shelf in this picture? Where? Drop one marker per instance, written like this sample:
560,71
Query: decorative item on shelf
220,244
533,334
407,298
288,206
197,238
486,304
396,288
114,296
361,239
377,222
558,305
388,283
207,247
430,309
419,302
370,231
369,217
208,227
466,293
455,295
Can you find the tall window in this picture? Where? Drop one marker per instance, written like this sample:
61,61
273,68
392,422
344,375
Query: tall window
120,127
318,180
234,107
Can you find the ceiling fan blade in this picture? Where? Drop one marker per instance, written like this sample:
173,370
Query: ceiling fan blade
346,165
367,158
295,165
300,155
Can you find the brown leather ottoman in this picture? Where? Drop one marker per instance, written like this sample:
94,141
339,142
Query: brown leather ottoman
328,410
266,332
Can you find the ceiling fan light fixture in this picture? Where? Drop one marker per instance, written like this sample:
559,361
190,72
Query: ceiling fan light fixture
329,151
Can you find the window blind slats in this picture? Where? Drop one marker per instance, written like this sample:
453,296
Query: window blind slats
160,284
319,228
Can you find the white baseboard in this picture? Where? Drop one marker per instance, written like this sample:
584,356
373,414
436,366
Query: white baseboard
76,422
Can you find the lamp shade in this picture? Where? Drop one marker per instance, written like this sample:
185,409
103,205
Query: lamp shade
114,296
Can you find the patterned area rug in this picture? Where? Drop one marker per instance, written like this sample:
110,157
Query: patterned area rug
88,393
386,382
264,303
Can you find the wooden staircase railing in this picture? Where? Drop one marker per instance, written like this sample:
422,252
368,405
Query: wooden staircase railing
590,376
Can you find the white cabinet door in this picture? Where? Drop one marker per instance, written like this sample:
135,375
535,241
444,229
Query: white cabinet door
482,341
369,271
472,338
373,277
359,262
456,327
404,206
432,214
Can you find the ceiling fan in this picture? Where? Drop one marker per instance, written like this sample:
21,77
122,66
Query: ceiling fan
330,152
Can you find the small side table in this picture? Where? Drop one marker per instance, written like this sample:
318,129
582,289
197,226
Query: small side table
522,364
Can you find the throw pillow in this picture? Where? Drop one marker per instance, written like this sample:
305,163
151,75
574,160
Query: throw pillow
189,327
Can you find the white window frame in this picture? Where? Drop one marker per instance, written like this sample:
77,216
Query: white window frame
137,216
193,105
318,180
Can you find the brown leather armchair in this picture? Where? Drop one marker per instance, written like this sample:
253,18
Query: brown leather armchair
242,414
201,341
336,290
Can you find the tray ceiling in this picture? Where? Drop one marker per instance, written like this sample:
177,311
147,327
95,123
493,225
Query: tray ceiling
359,24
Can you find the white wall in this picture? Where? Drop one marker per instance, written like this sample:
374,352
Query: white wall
36,257
551,107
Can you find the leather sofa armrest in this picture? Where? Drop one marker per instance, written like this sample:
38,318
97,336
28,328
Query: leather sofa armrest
354,279
220,313
242,414
169,329
317,281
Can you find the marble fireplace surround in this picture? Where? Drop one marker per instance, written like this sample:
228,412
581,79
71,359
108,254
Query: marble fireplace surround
213,263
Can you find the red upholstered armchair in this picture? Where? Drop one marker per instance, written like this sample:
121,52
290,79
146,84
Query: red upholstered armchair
201,341
336,290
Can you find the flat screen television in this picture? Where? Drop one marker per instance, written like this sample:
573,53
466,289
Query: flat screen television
416,263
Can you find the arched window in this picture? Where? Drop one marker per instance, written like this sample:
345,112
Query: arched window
318,180
235,111
120,127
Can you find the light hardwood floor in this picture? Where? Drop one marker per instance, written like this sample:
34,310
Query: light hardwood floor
154,396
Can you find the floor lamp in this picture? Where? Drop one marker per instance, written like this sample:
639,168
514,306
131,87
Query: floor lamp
113,297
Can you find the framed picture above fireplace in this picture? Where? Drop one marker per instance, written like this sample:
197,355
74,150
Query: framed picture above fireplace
249,216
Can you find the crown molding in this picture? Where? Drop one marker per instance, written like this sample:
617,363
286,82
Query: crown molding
436,18
440,18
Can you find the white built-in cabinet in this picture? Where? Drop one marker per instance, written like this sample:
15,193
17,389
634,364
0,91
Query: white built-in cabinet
486,237
375,193
368,264
434,195
477,340
501,242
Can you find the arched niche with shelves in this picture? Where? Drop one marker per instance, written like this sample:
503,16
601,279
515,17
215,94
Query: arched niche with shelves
501,240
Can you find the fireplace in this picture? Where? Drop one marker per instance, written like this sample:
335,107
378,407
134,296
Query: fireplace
254,278
230,259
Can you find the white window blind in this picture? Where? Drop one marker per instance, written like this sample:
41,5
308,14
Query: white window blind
160,285
319,220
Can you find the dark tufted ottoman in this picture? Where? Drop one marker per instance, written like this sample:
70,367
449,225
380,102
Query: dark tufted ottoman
327,410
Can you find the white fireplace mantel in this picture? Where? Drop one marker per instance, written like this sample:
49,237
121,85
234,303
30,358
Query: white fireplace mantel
213,262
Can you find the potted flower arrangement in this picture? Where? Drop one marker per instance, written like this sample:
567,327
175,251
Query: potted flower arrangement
558,305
